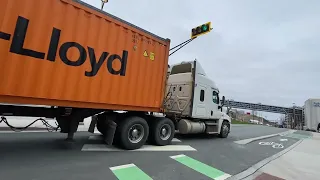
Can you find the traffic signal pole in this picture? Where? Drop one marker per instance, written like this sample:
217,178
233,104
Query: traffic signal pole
181,45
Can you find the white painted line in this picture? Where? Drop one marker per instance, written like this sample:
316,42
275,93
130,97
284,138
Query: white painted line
37,131
85,129
283,139
95,137
104,147
246,141
223,177
100,137
122,167
177,156
176,140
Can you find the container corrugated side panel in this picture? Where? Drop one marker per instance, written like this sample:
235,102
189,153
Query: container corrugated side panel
26,79
307,114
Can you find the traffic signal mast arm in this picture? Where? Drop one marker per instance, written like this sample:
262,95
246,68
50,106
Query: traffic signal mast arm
181,45
195,32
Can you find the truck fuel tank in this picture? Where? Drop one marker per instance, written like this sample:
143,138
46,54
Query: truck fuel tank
186,126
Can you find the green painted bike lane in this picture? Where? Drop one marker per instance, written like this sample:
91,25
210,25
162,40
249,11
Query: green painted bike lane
129,171
132,172
200,167
300,135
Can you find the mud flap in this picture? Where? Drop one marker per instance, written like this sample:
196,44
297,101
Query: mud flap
106,125
111,127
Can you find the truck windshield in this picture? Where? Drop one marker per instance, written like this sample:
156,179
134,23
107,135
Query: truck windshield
181,68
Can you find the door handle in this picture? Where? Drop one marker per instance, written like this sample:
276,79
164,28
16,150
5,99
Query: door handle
211,112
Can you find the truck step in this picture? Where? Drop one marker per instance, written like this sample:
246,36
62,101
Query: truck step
212,128
212,132
211,123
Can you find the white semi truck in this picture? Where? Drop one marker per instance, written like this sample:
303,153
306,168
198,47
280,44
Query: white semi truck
192,105
193,101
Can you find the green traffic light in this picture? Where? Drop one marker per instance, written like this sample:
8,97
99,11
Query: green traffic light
204,28
200,30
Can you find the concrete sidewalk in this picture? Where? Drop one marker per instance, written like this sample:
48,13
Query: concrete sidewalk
300,162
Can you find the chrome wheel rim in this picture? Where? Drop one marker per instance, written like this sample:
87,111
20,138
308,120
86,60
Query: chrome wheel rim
225,129
165,132
136,133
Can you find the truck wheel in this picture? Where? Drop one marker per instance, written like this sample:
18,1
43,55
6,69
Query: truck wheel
132,132
225,128
162,131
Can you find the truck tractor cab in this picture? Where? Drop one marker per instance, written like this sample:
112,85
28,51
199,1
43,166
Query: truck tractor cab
193,100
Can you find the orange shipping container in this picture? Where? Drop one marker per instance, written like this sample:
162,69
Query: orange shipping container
68,53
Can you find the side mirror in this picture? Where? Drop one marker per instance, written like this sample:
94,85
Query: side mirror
223,100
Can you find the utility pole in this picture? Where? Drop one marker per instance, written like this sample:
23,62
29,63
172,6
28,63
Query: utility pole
102,3
253,114
294,116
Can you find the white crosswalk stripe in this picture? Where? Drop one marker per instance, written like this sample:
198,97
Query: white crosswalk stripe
97,138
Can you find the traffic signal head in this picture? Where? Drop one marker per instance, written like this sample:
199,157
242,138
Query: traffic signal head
200,30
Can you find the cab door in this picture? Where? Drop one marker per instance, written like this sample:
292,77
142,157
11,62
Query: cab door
199,101
213,105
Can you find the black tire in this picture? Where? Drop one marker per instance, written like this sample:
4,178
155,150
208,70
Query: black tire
157,125
225,129
124,129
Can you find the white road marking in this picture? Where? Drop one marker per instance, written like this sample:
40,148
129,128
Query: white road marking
104,147
246,141
35,131
273,144
223,177
96,137
100,137
176,140
277,146
283,139
177,156
122,167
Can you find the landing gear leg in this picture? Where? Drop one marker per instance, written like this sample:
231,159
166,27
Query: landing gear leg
70,137
69,125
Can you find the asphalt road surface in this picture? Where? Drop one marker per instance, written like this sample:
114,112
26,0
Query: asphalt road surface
45,156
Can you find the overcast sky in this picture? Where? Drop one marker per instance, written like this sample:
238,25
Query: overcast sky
265,51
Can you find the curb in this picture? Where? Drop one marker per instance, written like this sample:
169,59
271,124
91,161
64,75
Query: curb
253,169
247,141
